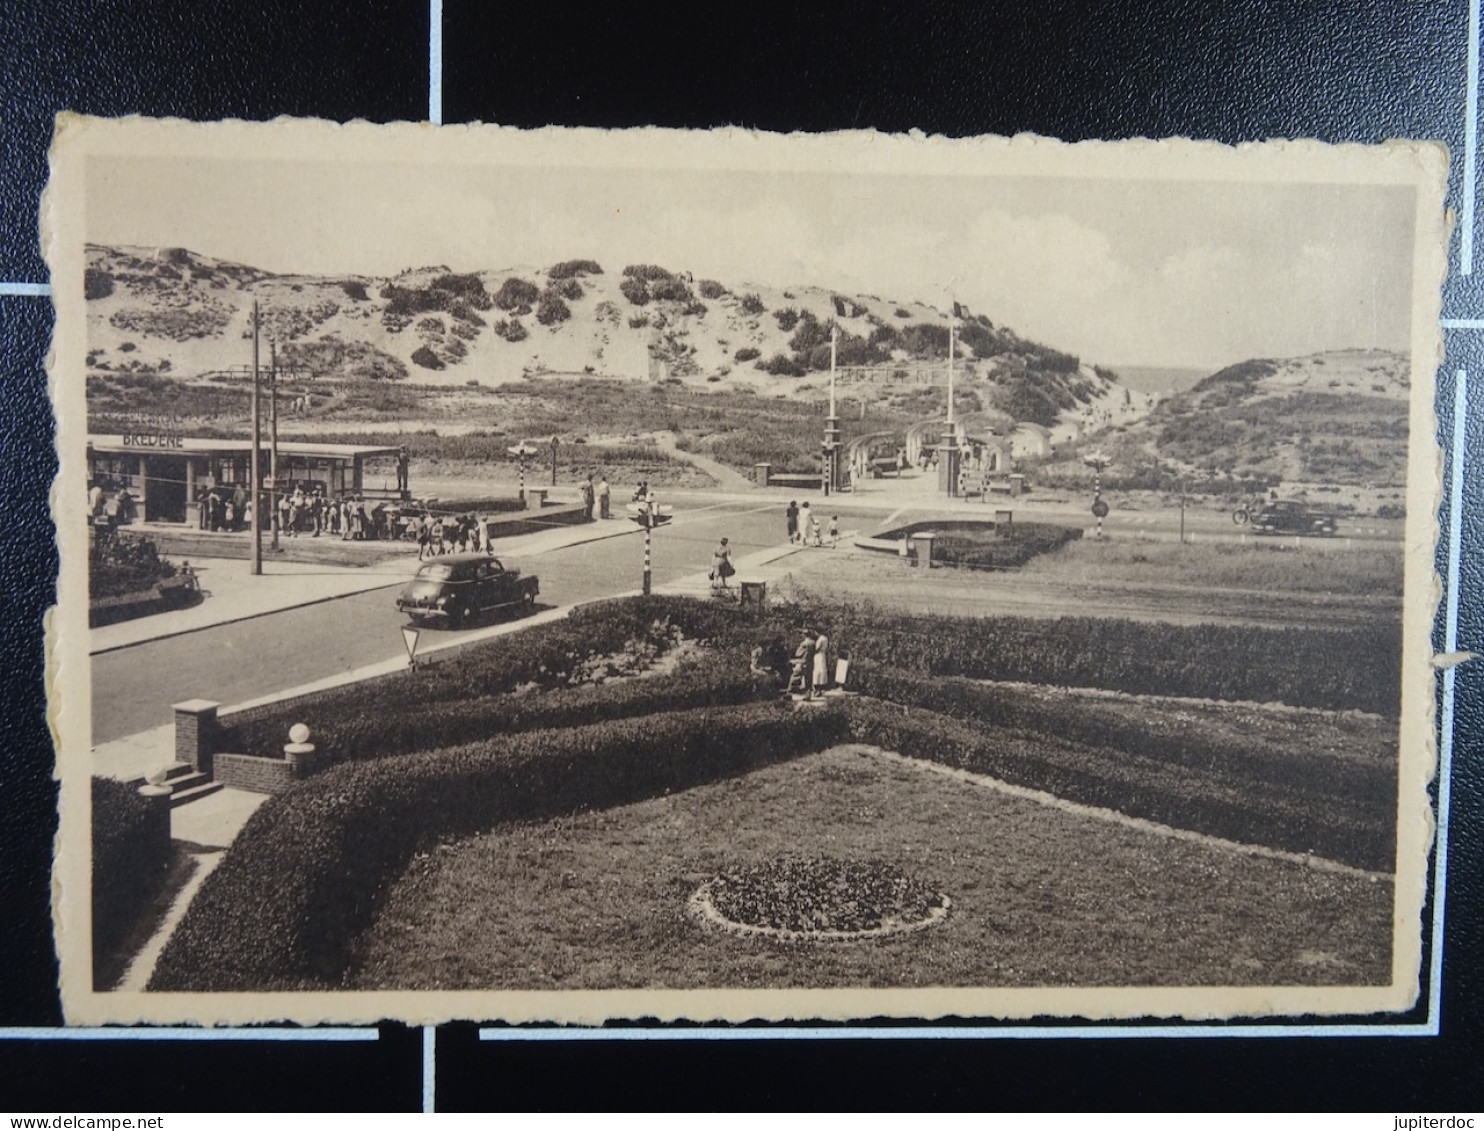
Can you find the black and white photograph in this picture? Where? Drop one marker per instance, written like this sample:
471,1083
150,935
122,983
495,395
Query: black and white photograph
567,575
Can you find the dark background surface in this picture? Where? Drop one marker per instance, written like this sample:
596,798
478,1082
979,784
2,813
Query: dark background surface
1342,71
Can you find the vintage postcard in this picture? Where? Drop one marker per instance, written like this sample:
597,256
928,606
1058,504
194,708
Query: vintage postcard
570,575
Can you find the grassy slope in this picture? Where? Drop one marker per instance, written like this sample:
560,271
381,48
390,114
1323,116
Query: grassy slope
1336,418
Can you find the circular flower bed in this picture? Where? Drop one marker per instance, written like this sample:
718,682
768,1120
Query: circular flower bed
818,898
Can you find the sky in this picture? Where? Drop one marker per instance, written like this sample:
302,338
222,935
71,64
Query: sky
1195,274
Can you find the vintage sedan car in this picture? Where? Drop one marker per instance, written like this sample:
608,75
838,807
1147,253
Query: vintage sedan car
455,588
1291,517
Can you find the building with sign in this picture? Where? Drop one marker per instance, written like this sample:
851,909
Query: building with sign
169,473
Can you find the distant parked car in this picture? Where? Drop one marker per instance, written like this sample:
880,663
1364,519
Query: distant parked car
458,587
1291,517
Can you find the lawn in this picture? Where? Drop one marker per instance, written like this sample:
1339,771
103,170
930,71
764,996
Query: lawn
1043,894
1314,567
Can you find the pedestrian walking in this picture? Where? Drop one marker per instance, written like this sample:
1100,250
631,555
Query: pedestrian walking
791,516
603,498
589,495
834,530
721,566
815,538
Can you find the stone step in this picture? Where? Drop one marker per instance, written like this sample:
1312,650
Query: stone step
195,792
177,770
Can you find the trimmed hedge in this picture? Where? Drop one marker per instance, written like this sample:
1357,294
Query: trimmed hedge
1355,830
344,718
307,873
1335,669
131,859
1160,731
360,727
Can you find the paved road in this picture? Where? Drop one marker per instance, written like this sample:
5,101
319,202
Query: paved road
134,687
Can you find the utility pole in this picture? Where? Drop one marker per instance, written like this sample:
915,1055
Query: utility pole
254,472
554,443
273,435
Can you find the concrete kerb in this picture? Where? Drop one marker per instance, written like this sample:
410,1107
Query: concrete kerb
358,580
135,754
215,821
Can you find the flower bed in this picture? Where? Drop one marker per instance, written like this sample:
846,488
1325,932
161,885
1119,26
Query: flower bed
120,565
819,899
306,874
564,669
981,544
365,727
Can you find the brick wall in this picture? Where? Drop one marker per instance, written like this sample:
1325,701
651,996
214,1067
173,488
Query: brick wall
260,775
265,775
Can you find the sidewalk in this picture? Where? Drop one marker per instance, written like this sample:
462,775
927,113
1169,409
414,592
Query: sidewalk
234,594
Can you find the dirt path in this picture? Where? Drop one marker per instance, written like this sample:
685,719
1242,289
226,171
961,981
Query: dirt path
725,477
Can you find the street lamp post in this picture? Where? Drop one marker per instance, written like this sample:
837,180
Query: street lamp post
554,443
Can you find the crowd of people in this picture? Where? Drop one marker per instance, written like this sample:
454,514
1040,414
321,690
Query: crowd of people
110,506
307,511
